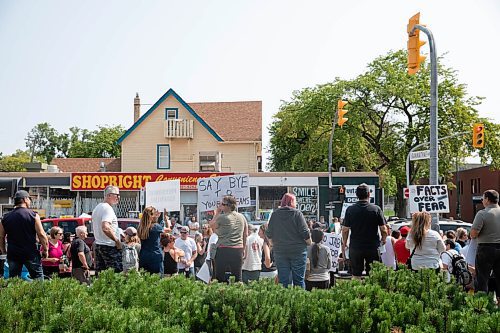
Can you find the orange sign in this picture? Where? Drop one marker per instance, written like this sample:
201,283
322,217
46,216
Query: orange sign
134,181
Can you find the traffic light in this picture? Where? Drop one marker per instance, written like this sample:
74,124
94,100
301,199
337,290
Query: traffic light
414,44
478,136
341,113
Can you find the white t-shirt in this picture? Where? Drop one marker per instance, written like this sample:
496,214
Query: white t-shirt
428,256
253,259
188,246
388,257
212,240
193,227
447,258
104,212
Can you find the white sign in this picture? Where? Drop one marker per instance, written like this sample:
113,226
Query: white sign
333,241
351,198
212,190
420,155
164,195
429,198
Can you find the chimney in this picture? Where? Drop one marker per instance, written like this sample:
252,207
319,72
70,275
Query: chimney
137,107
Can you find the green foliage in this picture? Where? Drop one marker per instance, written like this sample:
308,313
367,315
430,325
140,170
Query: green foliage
14,162
97,143
412,302
45,143
388,116
42,140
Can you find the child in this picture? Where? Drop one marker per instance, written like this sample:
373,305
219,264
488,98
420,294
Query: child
320,260
130,250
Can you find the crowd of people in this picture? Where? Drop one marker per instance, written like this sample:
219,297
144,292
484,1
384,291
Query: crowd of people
287,248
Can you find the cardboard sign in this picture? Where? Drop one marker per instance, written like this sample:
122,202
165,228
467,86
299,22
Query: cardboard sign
212,190
164,195
429,198
333,241
351,198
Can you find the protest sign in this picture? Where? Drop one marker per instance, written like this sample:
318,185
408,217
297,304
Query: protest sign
351,198
164,195
333,241
212,190
307,200
429,198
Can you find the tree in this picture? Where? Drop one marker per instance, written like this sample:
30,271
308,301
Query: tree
14,162
42,141
388,116
98,143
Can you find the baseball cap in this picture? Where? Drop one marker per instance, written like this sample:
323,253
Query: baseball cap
404,231
22,194
131,231
184,229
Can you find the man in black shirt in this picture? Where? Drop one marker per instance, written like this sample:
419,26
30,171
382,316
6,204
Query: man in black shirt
22,226
363,220
80,256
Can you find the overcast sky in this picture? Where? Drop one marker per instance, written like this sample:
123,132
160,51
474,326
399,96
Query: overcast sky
80,63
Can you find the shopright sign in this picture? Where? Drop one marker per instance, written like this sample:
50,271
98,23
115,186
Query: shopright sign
429,198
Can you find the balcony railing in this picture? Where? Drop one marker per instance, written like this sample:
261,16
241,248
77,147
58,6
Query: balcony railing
179,128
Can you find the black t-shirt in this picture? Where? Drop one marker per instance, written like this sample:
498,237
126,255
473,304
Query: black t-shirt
78,245
364,220
19,225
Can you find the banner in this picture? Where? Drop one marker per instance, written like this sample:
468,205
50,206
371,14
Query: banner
333,241
212,190
351,198
429,198
164,195
134,181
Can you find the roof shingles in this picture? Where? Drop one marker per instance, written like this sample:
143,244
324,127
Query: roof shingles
87,164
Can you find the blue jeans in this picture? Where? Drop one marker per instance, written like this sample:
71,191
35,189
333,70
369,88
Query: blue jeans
34,267
293,263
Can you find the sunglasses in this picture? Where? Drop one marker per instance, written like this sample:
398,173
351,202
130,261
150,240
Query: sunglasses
117,195
183,232
224,204
60,233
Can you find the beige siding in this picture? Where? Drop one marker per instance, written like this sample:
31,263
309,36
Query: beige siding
139,149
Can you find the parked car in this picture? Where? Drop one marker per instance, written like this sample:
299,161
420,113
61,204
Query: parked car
444,225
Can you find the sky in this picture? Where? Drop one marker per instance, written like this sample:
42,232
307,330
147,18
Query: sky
80,63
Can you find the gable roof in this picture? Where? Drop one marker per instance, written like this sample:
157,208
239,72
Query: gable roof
87,164
242,121
233,121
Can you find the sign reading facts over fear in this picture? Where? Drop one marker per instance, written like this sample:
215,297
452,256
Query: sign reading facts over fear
134,181
429,198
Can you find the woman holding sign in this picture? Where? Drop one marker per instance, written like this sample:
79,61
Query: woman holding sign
426,245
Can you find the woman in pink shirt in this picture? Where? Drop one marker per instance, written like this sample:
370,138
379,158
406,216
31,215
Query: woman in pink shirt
51,263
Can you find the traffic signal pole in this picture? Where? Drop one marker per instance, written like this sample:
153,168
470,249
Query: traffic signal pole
330,143
433,162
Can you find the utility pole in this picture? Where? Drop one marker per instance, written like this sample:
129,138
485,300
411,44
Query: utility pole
413,55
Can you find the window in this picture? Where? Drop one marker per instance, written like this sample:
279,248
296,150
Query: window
163,157
210,161
171,113
475,185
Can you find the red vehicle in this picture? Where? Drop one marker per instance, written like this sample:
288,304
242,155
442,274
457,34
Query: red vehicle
68,224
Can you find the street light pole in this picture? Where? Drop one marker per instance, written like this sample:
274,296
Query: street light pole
433,163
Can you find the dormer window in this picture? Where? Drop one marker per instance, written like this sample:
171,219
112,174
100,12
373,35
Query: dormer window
171,113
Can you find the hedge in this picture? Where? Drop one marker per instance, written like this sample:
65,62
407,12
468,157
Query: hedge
400,301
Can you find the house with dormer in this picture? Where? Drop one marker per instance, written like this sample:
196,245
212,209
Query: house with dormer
180,137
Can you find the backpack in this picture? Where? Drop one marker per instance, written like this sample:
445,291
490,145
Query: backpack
130,257
460,270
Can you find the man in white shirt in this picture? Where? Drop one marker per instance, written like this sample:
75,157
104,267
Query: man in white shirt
252,263
108,246
187,245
